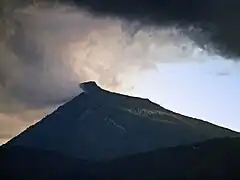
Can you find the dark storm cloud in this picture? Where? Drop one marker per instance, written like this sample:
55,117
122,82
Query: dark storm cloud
218,19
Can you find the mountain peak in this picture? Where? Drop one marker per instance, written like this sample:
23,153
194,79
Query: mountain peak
89,86
100,125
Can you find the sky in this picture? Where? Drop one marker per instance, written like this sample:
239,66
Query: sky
183,59
207,90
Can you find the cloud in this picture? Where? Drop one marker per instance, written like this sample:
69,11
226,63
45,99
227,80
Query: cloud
46,50
10,126
218,20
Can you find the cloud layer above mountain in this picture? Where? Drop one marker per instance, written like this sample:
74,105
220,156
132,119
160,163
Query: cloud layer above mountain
46,50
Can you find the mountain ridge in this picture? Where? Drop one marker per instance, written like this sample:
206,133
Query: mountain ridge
99,125
215,159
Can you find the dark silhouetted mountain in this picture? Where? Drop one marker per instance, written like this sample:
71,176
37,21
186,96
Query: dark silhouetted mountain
100,125
217,159
26,163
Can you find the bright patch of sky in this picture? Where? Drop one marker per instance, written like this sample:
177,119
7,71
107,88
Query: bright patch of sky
209,89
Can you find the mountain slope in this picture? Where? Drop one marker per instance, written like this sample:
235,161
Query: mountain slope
216,159
99,125
27,163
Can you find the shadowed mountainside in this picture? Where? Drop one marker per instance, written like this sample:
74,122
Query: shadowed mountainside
100,125
26,163
216,159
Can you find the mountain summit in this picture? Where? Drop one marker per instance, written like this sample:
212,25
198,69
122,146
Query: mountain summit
99,125
89,87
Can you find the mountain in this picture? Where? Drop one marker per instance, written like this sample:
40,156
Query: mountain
216,159
100,125
33,164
